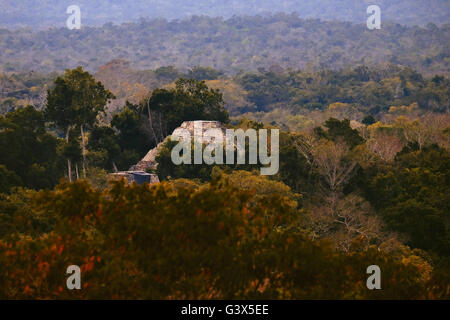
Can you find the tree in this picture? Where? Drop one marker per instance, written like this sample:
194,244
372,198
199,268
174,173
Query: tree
368,120
411,196
351,224
8,179
190,100
75,101
385,145
297,168
60,112
333,164
340,130
30,155
168,242
203,73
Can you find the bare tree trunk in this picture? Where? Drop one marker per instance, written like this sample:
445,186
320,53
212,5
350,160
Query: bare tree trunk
83,145
69,165
69,173
76,170
151,121
161,127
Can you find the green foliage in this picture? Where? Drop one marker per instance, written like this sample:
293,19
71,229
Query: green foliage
71,150
190,100
21,89
169,73
350,192
168,170
372,90
412,196
8,179
76,100
296,170
75,103
283,95
203,73
138,128
17,216
167,242
104,147
262,186
29,154
340,131
123,143
239,43
368,120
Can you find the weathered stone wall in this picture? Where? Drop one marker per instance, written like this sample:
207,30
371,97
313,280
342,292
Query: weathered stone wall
149,161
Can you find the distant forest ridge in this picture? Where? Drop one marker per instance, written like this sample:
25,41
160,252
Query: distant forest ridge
232,45
52,13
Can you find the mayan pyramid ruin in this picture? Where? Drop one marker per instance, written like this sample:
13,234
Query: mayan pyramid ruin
149,161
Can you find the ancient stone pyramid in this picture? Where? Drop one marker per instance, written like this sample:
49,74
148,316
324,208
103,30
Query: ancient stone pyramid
149,161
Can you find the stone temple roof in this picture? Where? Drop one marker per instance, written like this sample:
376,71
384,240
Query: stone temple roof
149,161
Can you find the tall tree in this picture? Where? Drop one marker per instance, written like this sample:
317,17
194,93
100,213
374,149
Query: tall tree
29,154
75,101
189,100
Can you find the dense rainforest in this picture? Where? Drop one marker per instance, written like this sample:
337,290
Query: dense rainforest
230,45
364,163
383,132
51,13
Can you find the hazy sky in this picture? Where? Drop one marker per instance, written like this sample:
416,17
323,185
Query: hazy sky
45,13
